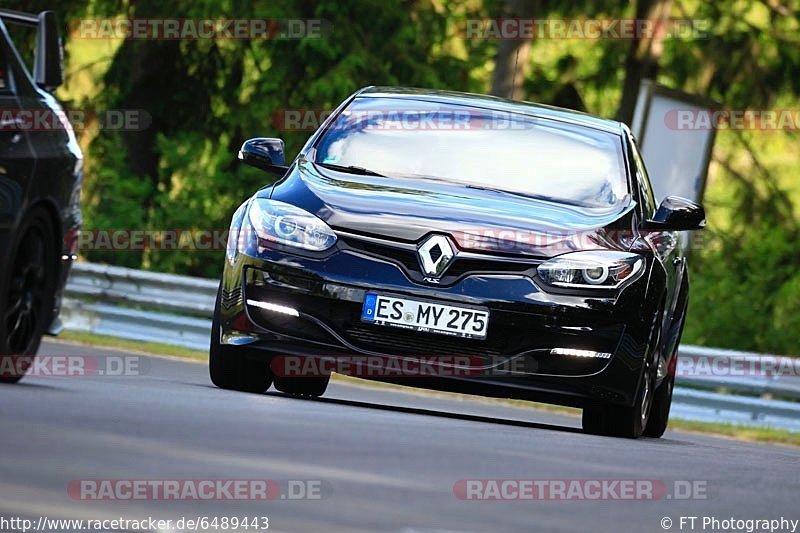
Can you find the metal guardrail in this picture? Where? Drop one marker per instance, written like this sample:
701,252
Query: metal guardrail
139,305
176,310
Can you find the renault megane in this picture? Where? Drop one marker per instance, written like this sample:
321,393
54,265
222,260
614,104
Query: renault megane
516,247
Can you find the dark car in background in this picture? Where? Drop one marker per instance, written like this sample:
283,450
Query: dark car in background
517,246
40,179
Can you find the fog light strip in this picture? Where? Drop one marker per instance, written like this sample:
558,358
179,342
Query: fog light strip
274,307
580,353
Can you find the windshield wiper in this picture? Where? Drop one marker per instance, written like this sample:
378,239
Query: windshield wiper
351,169
526,195
504,191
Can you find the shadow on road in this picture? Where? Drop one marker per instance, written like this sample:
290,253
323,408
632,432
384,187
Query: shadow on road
666,441
429,412
23,384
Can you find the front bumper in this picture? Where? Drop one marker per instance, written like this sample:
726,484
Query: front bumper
526,323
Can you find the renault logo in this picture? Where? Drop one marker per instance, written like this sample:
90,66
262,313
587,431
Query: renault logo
435,255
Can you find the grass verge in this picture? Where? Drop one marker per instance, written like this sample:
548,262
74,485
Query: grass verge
766,435
770,435
149,348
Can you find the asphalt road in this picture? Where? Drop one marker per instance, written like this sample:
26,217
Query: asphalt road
386,460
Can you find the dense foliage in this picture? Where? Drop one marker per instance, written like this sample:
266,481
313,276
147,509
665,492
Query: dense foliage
206,96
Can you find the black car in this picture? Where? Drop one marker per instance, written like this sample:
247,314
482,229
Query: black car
515,249
40,178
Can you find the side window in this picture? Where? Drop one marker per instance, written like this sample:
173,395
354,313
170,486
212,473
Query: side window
14,74
5,81
643,181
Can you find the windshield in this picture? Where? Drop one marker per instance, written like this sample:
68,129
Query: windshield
477,147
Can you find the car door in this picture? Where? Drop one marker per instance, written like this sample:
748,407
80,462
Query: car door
16,154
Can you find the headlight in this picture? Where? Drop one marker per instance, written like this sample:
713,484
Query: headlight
595,270
286,224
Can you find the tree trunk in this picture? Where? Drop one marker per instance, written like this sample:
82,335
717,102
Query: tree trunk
511,59
643,55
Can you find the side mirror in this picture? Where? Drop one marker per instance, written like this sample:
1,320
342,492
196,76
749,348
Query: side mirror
48,64
678,214
265,154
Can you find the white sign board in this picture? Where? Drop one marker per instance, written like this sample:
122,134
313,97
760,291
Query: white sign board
675,146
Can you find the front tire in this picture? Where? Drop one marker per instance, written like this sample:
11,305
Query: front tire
27,293
302,386
659,416
618,420
621,420
230,367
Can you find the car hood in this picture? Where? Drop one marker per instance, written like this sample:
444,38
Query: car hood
409,209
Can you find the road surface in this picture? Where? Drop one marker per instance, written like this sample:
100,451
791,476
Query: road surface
381,460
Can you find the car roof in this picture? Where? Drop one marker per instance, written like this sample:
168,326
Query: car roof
494,103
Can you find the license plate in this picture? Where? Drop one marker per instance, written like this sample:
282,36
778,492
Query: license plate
468,322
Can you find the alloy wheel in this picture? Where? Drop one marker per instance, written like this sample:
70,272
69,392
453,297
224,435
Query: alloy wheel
26,293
